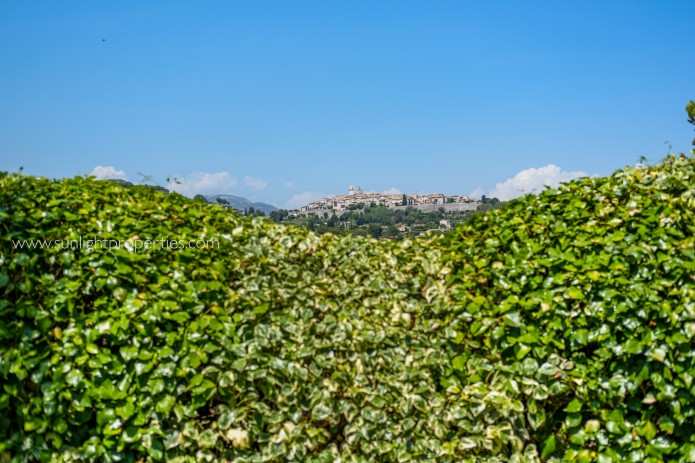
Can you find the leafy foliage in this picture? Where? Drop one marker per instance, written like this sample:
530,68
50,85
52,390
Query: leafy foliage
557,327
690,110
582,303
279,344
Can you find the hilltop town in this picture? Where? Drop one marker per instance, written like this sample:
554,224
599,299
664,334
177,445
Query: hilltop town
356,199
384,215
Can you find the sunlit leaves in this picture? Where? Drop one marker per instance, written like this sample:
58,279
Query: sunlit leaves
595,296
559,327
273,342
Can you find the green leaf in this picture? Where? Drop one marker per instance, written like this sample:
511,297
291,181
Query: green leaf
74,377
575,293
207,439
92,349
648,430
320,412
573,420
537,418
548,369
172,439
549,446
165,404
262,308
156,450
592,426
574,406
225,420
521,351
459,362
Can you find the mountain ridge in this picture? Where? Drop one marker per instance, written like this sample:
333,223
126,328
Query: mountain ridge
240,203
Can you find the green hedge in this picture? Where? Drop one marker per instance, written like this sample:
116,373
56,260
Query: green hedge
279,344
583,300
559,327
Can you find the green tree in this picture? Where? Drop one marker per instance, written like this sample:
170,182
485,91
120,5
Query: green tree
405,200
123,183
374,230
313,222
222,201
359,232
252,211
200,198
159,188
391,231
690,109
279,215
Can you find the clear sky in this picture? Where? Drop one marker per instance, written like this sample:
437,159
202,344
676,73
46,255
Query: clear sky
285,101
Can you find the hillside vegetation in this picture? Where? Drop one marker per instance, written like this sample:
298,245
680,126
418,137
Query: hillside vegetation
559,327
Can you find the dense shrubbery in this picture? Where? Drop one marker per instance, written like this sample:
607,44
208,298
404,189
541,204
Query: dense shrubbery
581,302
279,344
560,326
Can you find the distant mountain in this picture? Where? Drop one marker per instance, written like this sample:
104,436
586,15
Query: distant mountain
239,203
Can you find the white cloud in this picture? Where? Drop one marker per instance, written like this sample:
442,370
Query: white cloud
104,172
302,199
477,193
203,183
291,185
255,183
531,180
392,191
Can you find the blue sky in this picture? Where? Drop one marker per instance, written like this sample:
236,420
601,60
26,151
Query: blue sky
288,101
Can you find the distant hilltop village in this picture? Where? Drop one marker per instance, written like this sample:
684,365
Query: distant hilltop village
426,203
